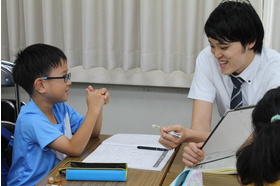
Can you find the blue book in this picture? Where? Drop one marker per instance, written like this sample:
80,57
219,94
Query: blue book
83,171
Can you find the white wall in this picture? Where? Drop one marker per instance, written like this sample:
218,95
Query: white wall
133,109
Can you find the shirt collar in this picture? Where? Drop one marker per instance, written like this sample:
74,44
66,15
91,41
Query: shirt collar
250,72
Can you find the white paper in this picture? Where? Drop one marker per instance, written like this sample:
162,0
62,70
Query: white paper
134,140
122,148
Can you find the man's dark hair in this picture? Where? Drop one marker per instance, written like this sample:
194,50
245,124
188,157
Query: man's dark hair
236,21
34,62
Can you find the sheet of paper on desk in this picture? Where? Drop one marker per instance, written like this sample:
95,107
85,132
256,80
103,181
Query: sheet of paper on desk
123,148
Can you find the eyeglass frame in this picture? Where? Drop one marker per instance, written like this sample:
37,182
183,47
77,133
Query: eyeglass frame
66,77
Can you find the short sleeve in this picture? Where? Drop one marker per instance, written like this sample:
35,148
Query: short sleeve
36,128
202,87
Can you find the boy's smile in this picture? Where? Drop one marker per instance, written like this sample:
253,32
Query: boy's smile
231,56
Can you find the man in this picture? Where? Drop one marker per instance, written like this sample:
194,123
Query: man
236,54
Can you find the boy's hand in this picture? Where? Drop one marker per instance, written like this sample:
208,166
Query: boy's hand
94,98
193,154
106,95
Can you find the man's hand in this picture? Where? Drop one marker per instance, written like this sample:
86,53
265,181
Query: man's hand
193,154
169,141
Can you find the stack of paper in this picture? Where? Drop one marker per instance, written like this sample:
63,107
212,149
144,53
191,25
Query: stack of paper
123,148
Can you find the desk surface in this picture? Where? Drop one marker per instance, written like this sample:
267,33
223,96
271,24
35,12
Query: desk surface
142,177
135,176
208,179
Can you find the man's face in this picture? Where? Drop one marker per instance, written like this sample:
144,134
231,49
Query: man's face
232,56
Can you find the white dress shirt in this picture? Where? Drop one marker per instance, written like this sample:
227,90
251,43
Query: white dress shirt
209,84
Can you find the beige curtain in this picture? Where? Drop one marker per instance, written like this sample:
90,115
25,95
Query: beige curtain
148,35
162,35
271,21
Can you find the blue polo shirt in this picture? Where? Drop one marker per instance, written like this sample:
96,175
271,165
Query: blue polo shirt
32,158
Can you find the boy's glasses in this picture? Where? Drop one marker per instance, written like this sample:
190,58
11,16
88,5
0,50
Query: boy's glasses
65,77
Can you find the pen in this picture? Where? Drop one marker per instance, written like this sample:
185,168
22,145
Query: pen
151,148
171,132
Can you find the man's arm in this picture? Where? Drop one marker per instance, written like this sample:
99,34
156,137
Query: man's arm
201,121
201,127
199,131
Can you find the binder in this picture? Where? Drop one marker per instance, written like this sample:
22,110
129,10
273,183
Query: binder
83,171
233,129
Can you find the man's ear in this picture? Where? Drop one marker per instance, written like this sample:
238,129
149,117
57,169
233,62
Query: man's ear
39,85
251,45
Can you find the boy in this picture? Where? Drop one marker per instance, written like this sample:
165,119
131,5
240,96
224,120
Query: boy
235,34
47,129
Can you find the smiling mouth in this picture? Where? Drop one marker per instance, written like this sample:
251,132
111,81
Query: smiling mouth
223,63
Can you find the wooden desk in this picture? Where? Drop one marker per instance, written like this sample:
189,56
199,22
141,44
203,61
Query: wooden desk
135,177
208,179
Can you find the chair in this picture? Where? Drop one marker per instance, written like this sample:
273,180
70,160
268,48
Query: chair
6,74
8,81
21,103
8,111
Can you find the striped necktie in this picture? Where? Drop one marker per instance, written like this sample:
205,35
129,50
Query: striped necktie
236,96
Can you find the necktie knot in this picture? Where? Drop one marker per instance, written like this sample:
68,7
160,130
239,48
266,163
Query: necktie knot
237,81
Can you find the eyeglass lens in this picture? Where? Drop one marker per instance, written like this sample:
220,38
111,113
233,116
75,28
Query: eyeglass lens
67,77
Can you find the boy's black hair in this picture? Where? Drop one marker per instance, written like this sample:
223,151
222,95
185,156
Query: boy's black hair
34,62
259,162
236,21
